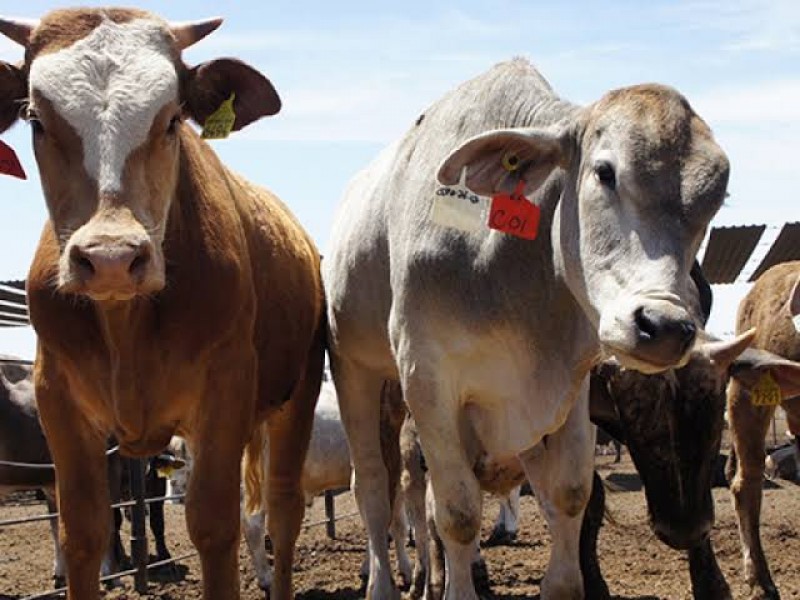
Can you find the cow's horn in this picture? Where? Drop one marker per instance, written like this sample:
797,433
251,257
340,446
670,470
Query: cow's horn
18,30
192,32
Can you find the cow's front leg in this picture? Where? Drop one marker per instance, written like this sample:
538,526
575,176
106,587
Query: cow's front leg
594,585
749,426
59,564
708,582
78,450
455,489
253,527
560,470
413,483
221,427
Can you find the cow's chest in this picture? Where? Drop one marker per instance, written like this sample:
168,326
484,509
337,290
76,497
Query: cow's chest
509,392
142,403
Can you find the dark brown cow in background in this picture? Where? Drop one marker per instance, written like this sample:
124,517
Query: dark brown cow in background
672,425
169,295
22,443
770,306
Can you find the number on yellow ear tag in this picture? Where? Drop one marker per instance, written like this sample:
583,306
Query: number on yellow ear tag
219,124
766,392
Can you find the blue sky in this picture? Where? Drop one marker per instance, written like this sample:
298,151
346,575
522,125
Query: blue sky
354,75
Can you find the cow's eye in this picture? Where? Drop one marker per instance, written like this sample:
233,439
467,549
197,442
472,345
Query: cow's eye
172,128
36,124
605,173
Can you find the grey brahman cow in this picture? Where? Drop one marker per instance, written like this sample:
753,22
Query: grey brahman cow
492,335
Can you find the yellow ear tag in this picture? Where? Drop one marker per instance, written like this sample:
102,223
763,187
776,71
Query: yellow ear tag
219,124
165,472
766,392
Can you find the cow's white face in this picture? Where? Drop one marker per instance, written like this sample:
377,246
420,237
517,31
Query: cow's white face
107,93
649,180
643,178
109,103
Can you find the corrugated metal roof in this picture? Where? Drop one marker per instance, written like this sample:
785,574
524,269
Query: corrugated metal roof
785,248
728,250
13,304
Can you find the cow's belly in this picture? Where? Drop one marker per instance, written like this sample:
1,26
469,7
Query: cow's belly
326,476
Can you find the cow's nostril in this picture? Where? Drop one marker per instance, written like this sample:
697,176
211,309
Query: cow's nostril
645,325
81,262
688,331
139,263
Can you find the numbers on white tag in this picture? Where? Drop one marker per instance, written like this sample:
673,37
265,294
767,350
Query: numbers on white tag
459,207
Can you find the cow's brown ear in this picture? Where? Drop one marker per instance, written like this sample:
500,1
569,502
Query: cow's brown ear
13,91
210,84
753,364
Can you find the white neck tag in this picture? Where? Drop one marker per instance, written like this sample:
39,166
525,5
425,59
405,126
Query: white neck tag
459,207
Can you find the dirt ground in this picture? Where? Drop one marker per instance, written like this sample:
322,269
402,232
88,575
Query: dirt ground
636,565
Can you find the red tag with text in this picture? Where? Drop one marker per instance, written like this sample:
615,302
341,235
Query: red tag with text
515,214
9,163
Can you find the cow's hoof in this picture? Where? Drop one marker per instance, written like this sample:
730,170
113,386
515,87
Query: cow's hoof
113,583
596,588
714,590
561,591
770,593
500,537
264,585
167,573
417,589
406,579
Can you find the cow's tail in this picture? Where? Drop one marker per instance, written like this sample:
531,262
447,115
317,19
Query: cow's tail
253,471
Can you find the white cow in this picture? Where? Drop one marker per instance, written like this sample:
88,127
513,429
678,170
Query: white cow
327,467
178,479
492,336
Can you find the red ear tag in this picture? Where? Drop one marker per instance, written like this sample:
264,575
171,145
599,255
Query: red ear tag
515,214
9,163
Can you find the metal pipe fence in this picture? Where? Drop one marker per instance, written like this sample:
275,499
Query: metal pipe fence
138,540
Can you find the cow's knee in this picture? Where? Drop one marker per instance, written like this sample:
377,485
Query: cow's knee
85,545
458,518
210,535
572,498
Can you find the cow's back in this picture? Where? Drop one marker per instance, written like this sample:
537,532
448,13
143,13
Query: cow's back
766,308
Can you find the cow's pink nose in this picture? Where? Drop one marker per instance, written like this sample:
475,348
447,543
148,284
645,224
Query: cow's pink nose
111,268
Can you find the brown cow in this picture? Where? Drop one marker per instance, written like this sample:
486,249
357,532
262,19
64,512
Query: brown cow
769,306
170,296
